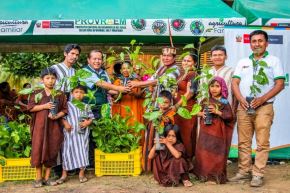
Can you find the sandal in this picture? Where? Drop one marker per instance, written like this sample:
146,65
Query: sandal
187,183
37,183
83,179
61,180
49,182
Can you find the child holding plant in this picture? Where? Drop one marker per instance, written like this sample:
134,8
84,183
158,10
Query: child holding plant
75,152
166,117
169,165
46,130
214,139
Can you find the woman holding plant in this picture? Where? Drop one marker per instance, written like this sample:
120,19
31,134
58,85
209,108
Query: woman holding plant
46,129
129,99
187,127
214,139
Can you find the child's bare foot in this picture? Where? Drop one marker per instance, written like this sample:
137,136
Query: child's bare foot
210,183
187,183
83,179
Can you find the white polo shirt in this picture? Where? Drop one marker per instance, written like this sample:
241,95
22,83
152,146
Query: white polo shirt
244,71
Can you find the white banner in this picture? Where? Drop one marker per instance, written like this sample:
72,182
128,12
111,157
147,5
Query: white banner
237,43
148,27
14,27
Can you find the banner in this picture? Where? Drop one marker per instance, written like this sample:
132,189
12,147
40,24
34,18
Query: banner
237,43
148,27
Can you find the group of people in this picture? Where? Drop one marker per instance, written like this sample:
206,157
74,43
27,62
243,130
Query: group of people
190,145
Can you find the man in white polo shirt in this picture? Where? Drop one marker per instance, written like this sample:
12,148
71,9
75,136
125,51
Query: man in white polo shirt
260,122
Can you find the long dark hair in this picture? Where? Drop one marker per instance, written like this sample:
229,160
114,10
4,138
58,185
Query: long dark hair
175,128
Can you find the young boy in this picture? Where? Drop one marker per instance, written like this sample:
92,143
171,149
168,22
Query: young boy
167,118
76,136
46,132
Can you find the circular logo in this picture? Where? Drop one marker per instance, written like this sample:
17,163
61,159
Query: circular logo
178,24
196,27
159,27
138,24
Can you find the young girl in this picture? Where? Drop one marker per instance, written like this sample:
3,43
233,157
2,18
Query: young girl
46,132
76,137
169,165
214,140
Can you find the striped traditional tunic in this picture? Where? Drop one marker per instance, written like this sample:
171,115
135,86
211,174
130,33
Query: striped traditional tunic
76,145
63,71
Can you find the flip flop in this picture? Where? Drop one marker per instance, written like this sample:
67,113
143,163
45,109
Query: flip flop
49,182
83,179
187,183
37,183
61,180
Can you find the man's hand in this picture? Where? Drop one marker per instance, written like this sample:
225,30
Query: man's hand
257,102
244,104
124,89
132,84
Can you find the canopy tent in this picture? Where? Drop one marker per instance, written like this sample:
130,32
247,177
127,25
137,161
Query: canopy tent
264,12
113,21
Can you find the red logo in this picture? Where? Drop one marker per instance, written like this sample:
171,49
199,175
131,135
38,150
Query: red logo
246,38
45,24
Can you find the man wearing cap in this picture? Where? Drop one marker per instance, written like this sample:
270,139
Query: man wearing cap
168,61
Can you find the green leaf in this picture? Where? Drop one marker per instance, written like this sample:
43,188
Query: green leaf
133,42
195,109
26,91
80,105
122,56
127,109
160,100
37,97
263,63
184,101
183,112
183,55
188,46
202,39
152,115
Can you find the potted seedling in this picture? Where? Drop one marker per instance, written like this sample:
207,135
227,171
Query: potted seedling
259,79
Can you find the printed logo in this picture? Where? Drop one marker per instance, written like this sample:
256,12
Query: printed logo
178,24
159,27
246,38
196,27
138,24
45,24
239,38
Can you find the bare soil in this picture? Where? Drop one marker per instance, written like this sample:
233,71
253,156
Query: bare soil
277,180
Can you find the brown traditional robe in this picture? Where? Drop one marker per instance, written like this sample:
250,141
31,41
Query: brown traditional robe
213,145
167,118
169,170
188,127
46,134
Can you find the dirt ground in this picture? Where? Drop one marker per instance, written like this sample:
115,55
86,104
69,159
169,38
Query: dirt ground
277,180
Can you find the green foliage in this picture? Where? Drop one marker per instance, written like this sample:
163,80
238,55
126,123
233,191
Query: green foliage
260,78
15,140
183,112
28,64
116,134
